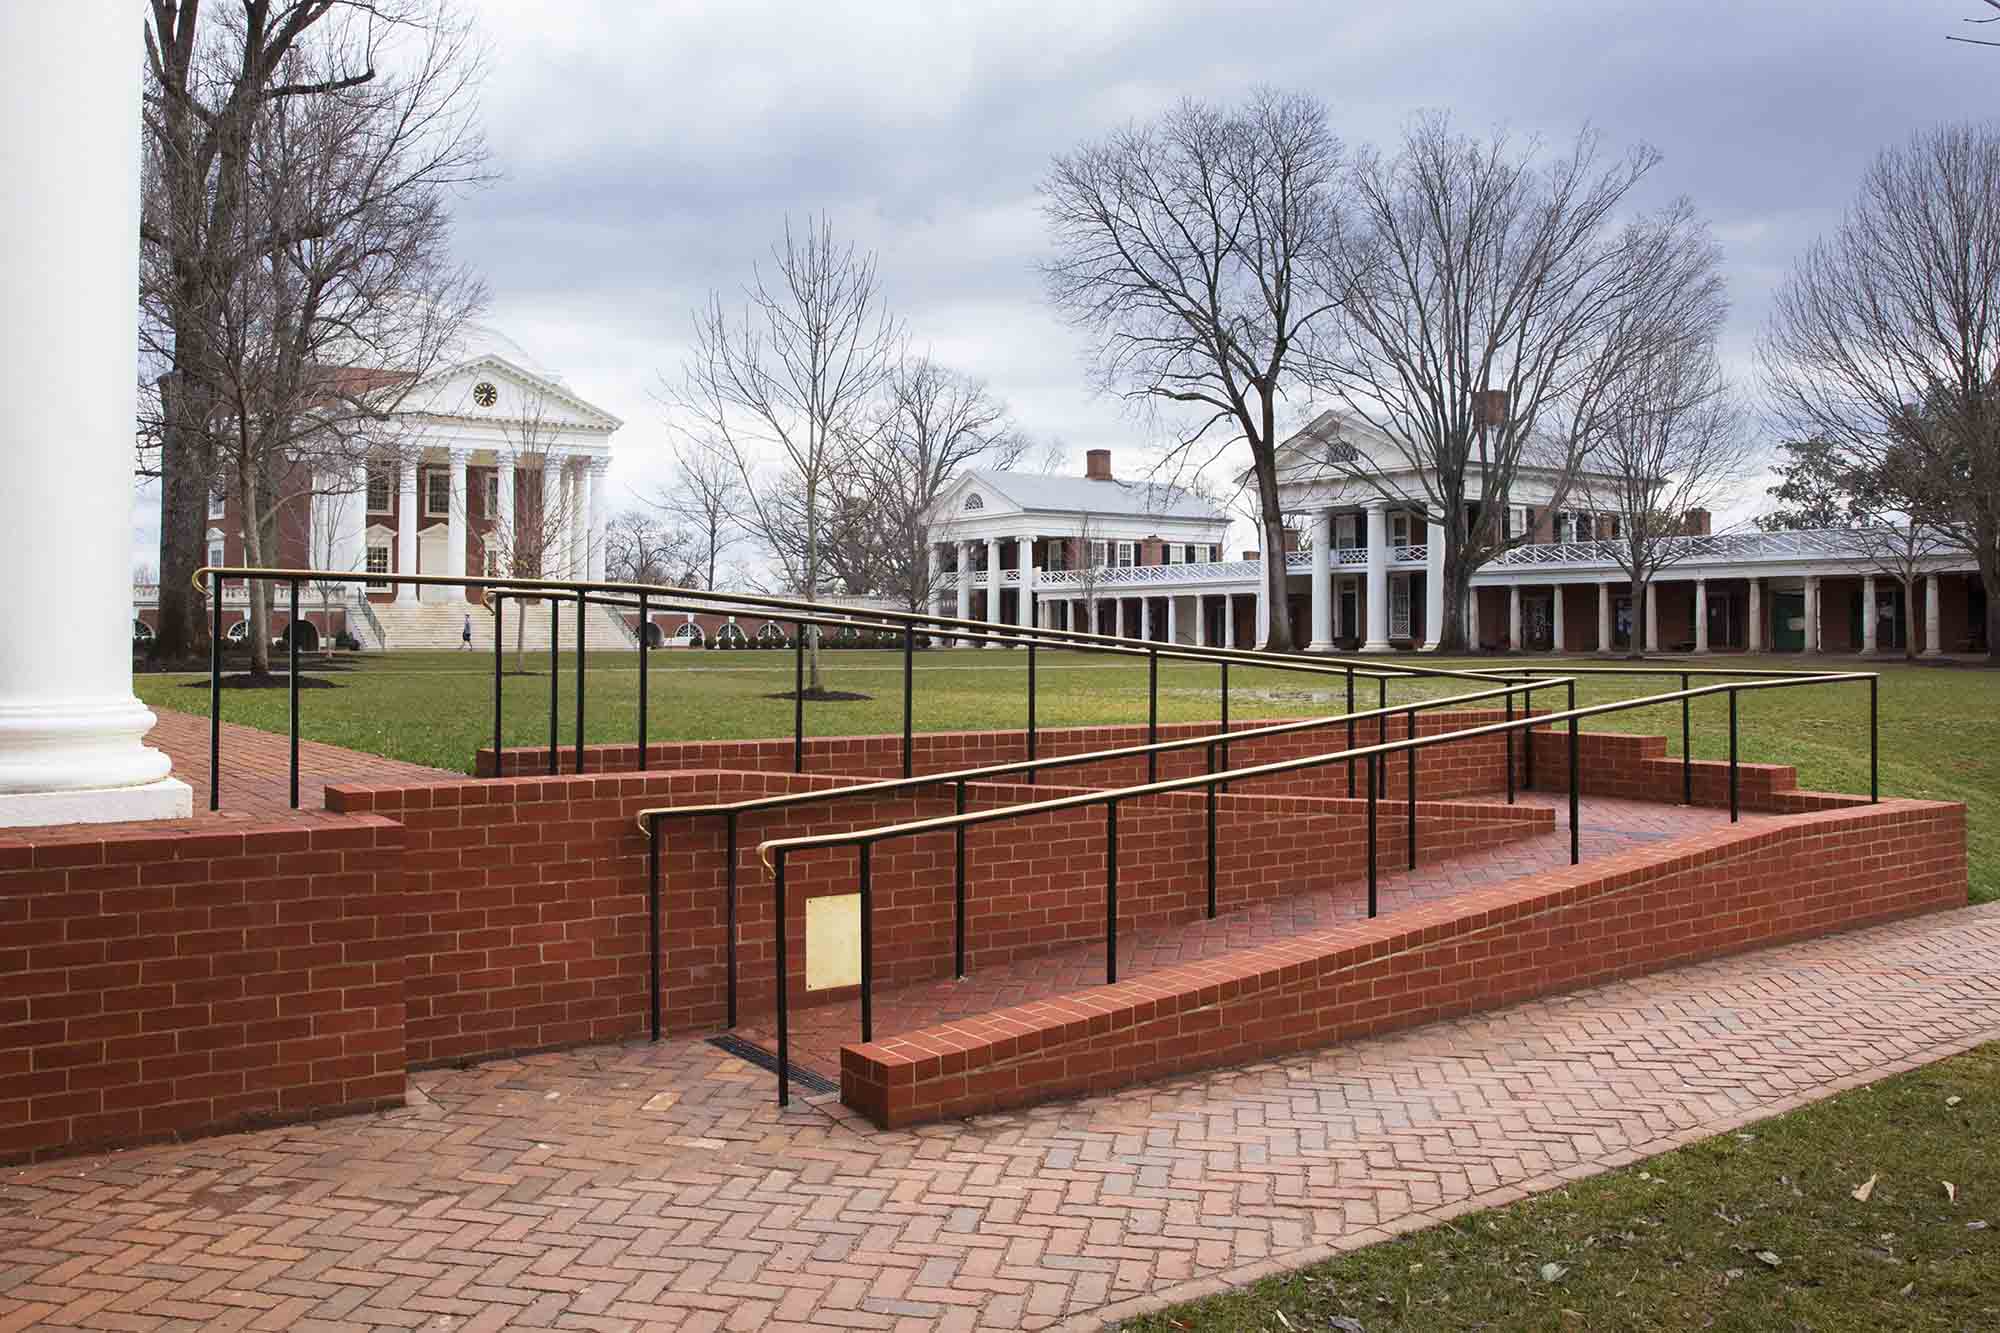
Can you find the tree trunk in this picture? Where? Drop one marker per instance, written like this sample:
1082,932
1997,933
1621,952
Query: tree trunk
814,684
1635,639
1989,578
182,632
1453,635
1278,636
520,636
258,636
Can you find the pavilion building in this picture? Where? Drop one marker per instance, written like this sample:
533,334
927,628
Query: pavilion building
1095,553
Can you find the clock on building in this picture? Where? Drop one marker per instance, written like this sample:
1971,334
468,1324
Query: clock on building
485,394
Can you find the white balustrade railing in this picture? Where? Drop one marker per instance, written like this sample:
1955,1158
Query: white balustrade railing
1714,548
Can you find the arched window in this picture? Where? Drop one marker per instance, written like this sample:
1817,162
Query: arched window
731,633
974,502
688,633
771,632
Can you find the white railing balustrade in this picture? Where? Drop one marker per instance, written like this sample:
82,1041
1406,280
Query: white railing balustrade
1714,548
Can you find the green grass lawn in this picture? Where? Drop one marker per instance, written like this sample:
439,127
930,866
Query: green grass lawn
1675,1242
1940,726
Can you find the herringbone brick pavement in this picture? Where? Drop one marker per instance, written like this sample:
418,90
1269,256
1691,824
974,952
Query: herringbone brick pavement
1605,826
638,1187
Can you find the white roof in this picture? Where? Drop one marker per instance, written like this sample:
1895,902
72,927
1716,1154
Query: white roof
1081,495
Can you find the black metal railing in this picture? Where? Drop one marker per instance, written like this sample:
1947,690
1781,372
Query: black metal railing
651,820
802,615
775,851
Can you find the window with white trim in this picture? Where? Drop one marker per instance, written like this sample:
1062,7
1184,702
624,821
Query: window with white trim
1399,529
437,493
378,563
215,554
1127,555
1173,553
1100,554
218,501
491,509
380,487
1345,527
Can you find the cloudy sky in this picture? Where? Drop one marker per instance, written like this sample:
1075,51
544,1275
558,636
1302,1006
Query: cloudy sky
651,152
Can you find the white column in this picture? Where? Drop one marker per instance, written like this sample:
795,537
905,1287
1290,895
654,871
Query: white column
1024,601
454,533
1652,617
1433,586
1514,618
934,578
1560,643
595,519
1378,578
1322,582
577,528
70,727
406,528
1200,621
502,521
547,540
1603,617
1812,613
963,578
351,551
1932,616
1869,638
1228,620
1754,640
993,585
1263,609
1701,615
1173,619
1146,618
1472,619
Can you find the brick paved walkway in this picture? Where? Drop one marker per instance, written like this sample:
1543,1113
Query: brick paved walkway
641,1186
1607,825
256,765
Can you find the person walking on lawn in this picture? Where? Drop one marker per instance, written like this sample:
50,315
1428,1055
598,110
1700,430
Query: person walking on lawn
465,635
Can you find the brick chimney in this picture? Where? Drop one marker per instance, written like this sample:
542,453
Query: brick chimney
1696,523
1097,465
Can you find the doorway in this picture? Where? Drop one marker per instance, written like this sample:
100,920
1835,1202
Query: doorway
1788,622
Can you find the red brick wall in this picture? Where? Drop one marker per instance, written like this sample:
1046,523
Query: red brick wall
526,897
1464,768
1697,897
1639,768
185,979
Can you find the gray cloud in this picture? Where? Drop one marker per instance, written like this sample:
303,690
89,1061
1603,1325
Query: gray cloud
652,151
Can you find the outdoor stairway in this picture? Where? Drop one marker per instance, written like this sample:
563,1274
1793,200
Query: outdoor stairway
436,627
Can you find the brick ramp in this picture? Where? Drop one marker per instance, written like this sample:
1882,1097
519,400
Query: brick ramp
634,1186
1608,825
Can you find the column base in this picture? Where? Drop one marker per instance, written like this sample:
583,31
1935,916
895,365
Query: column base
169,798
1430,645
1322,646
1378,646
1931,652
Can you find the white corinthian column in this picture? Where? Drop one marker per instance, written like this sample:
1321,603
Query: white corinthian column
71,730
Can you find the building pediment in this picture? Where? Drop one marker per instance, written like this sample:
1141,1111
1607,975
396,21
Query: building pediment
490,390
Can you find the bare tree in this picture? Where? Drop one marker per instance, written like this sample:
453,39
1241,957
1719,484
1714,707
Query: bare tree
1981,41
356,299
1491,301
640,548
1673,442
211,84
789,380
531,538
1196,250
1885,339
932,424
705,498
335,497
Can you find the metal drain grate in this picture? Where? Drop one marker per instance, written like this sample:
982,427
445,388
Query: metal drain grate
763,1059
